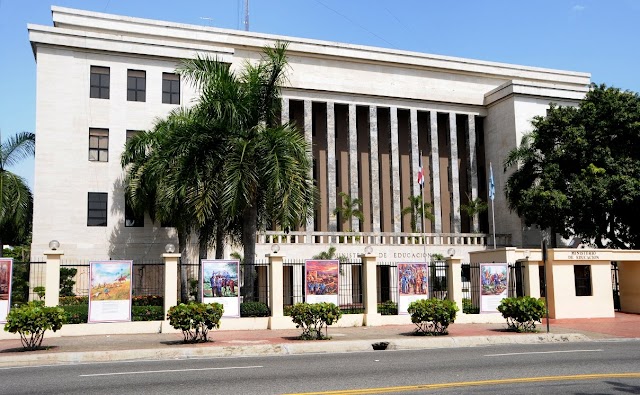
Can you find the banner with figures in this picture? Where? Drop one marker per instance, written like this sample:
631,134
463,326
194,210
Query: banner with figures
220,285
322,279
413,284
110,291
6,271
494,286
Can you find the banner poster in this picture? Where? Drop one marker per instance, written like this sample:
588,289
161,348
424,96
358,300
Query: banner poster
494,285
322,279
110,291
6,270
220,285
413,284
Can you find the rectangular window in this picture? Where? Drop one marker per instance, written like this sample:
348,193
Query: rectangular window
99,82
98,145
136,85
582,275
97,209
131,220
131,133
170,88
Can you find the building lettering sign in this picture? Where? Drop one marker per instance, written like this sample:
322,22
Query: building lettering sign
581,255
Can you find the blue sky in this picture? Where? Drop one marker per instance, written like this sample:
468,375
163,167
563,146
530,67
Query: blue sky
595,36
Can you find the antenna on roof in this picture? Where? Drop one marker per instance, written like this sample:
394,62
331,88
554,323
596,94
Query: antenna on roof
246,15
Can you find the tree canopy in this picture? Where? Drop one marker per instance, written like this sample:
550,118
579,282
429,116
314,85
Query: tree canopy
578,172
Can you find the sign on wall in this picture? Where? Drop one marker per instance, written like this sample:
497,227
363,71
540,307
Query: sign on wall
494,286
413,284
322,279
110,291
6,270
220,285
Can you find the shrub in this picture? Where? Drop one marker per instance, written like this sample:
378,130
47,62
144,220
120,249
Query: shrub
254,309
73,300
31,321
147,300
388,308
76,313
522,313
195,320
432,316
147,313
313,317
468,307
67,281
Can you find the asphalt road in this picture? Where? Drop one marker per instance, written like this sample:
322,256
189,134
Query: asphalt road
571,368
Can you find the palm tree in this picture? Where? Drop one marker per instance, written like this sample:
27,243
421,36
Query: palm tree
417,209
16,200
350,209
472,209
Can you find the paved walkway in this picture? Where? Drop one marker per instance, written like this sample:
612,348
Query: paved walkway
269,342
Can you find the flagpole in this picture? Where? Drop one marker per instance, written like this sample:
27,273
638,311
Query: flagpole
493,219
492,195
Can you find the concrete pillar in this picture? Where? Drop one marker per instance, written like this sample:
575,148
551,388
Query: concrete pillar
473,168
454,280
284,116
415,159
375,170
353,162
395,171
454,174
52,283
276,293
531,278
370,291
331,167
170,281
435,172
308,136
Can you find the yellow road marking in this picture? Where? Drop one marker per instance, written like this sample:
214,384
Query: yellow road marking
383,390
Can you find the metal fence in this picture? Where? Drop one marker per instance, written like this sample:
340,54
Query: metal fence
471,285
27,281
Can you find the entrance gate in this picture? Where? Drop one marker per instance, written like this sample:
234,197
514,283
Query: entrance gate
615,283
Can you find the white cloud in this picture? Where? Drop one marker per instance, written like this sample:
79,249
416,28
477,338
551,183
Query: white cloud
578,8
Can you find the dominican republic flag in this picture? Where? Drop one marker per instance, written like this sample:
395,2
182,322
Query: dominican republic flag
492,184
420,174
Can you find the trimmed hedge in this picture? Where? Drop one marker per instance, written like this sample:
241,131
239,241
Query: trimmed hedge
254,309
313,317
522,313
195,320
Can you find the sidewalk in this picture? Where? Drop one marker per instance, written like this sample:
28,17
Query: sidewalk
284,342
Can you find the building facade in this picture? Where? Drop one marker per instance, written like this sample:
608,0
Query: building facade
373,115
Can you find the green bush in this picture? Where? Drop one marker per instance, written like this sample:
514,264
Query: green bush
195,320
522,313
147,300
67,281
313,317
432,316
76,313
287,310
73,300
468,307
254,309
147,313
32,320
388,308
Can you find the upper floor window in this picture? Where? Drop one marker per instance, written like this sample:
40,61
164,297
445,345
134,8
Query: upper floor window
136,85
99,82
99,145
131,218
170,88
131,133
97,209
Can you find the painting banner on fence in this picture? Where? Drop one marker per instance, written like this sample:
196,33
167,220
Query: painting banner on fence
110,291
413,284
494,286
220,285
322,279
6,270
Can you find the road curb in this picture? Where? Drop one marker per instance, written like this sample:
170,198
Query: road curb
294,348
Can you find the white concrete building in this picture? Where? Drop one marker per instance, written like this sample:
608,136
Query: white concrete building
369,112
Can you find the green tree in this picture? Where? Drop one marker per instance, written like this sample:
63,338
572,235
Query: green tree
416,209
472,208
350,209
578,172
16,200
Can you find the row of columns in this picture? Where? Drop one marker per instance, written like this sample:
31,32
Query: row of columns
453,175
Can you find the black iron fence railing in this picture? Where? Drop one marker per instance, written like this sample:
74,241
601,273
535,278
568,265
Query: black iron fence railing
471,285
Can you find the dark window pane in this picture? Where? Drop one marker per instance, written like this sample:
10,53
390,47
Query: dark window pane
131,95
95,79
166,97
166,85
97,209
104,93
140,83
131,82
95,92
141,96
104,80
175,98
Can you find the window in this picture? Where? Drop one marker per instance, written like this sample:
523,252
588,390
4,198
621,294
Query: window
170,88
130,218
97,209
99,145
99,82
131,133
136,85
582,275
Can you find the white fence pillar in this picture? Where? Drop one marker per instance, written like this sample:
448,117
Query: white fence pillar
170,281
52,283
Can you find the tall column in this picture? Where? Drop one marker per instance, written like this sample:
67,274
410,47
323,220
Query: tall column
331,166
395,170
170,281
473,168
454,280
435,172
454,174
52,283
375,168
353,161
370,292
308,136
415,159
284,117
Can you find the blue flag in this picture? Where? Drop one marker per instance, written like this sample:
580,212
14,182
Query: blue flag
492,184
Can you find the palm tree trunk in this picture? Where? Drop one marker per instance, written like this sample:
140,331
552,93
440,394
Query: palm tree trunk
184,280
219,243
249,230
